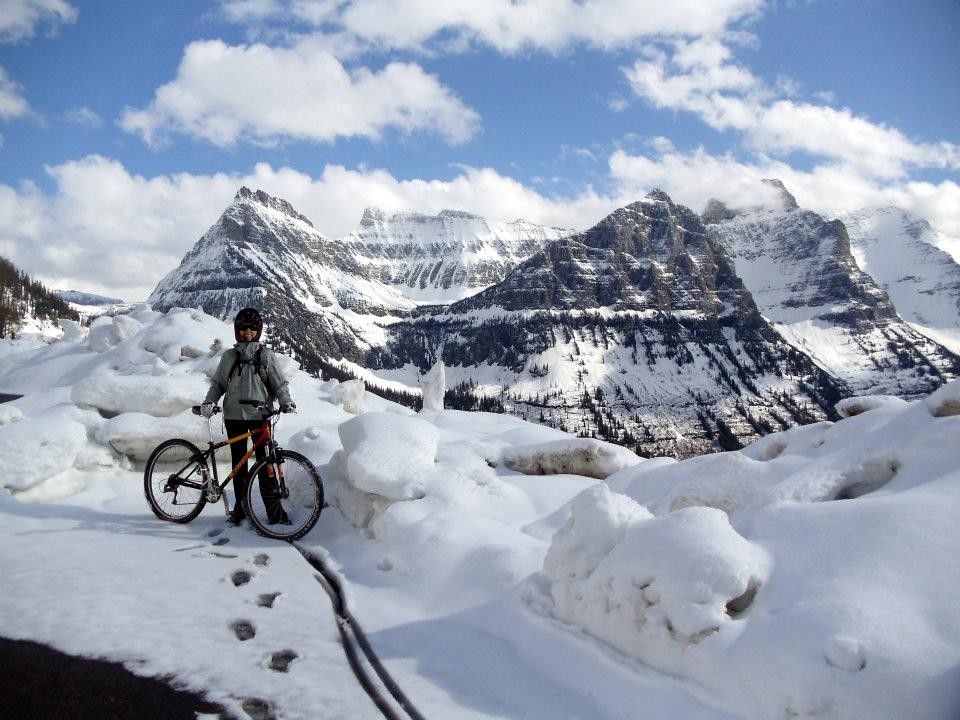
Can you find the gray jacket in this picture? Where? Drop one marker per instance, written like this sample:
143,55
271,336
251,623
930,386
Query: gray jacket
246,383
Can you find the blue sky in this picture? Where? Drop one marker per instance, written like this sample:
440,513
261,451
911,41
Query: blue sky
128,126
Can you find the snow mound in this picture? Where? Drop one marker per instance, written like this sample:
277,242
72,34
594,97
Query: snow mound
848,407
388,454
945,402
72,330
41,447
105,332
650,586
591,458
856,522
154,395
391,474
349,394
136,434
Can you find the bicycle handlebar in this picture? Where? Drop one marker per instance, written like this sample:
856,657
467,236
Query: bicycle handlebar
196,409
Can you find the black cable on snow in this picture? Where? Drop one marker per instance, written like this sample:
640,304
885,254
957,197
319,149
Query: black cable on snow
352,635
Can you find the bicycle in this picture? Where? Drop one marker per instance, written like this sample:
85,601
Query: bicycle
283,504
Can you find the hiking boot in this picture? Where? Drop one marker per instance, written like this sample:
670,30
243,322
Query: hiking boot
235,517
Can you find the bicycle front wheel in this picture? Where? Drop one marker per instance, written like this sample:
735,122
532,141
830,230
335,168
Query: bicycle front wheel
173,481
284,499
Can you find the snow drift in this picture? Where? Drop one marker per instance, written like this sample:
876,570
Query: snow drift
811,574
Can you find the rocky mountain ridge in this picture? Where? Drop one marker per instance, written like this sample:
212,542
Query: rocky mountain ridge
652,328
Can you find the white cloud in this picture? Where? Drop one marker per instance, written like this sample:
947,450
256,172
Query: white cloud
19,18
106,230
699,78
695,177
12,103
505,25
84,116
109,231
224,94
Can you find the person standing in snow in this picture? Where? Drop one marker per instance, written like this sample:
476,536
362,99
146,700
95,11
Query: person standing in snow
247,371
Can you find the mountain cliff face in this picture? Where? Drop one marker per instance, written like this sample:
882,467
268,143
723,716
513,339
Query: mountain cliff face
443,258
903,254
805,279
636,330
651,329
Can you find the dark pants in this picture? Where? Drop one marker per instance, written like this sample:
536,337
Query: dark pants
268,485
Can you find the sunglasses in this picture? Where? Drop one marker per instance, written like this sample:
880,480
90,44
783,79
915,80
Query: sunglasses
247,327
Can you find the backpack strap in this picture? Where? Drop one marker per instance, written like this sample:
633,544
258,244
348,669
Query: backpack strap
257,363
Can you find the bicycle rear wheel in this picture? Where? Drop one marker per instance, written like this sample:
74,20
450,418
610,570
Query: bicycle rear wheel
286,509
173,481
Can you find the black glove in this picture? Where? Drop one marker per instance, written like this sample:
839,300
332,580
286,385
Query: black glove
288,407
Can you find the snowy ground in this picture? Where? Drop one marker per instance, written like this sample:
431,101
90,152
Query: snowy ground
813,574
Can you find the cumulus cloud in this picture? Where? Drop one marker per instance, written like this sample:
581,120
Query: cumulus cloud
12,103
693,178
224,94
19,18
700,77
107,230
104,229
505,25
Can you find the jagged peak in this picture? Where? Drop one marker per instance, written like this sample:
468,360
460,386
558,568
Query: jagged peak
658,195
789,201
266,200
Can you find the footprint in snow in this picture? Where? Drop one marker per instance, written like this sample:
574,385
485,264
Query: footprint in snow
267,599
262,559
281,660
257,709
213,532
221,541
243,629
240,577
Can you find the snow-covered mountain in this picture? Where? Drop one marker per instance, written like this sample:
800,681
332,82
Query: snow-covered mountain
637,330
903,254
652,329
443,258
262,253
805,278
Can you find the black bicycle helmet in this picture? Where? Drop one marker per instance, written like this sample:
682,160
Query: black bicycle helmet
248,318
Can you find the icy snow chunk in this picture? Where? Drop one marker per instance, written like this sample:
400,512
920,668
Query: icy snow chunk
72,330
849,407
588,457
349,394
167,335
649,586
41,447
315,443
388,454
136,434
434,386
845,653
9,414
945,401
189,351
153,395
105,332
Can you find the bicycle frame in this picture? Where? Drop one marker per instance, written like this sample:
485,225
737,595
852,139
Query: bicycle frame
261,436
